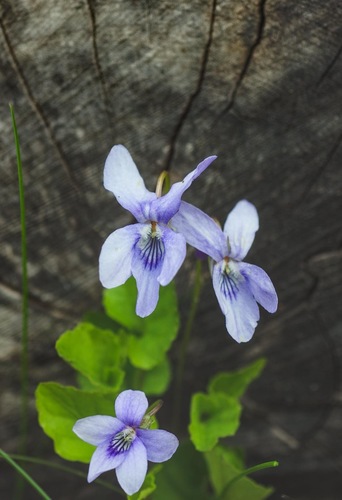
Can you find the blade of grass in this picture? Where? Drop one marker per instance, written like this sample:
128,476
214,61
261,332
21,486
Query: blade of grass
247,472
24,475
24,320
63,468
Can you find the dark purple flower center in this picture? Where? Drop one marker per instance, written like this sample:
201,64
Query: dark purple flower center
229,283
152,248
122,441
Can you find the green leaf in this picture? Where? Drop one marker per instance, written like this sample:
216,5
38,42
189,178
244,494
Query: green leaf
119,304
183,477
234,384
95,353
223,468
212,416
148,338
59,407
156,381
149,485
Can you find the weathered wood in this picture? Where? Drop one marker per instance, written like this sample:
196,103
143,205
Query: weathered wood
256,82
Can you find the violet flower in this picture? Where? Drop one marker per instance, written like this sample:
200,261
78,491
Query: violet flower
124,443
149,249
238,286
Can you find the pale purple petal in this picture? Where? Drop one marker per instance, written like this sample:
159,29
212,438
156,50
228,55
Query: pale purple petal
237,302
261,286
147,263
96,429
175,251
165,207
200,231
131,473
240,228
130,407
122,178
116,256
160,445
103,460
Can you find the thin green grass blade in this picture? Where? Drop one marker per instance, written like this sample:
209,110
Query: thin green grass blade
247,472
24,475
24,334
68,470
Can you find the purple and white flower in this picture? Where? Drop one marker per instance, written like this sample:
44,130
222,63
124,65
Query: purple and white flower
238,286
124,443
150,249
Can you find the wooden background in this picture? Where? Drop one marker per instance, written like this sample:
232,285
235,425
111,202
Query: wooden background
256,82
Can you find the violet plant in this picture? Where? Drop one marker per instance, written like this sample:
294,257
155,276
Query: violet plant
121,354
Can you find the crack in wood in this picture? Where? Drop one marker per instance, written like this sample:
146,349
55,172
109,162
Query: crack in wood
92,13
321,169
329,67
250,54
35,105
189,104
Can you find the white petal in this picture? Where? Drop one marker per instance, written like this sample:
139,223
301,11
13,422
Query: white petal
130,407
160,445
102,460
200,231
122,178
147,263
240,228
96,429
116,256
261,286
175,251
131,473
237,304
168,205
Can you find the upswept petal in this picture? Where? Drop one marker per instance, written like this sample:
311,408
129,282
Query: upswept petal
130,407
239,306
200,231
96,429
160,445
175,251
102,460
115,259
122,178
240,228
165,207
131,473
261,286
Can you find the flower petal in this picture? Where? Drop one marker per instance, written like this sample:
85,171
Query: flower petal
261,286
237,303
160,445
130,407
122,178
96,429
200,231
147,263
165,207
116,256
240,228
131,473
102,460
175,251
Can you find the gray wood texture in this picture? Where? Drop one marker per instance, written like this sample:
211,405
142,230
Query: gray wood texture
256,82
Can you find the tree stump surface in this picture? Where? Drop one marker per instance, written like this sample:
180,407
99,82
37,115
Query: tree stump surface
256,82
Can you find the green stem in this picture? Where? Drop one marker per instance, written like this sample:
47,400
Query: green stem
247,472
24,475
185,342
24,334
63,468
